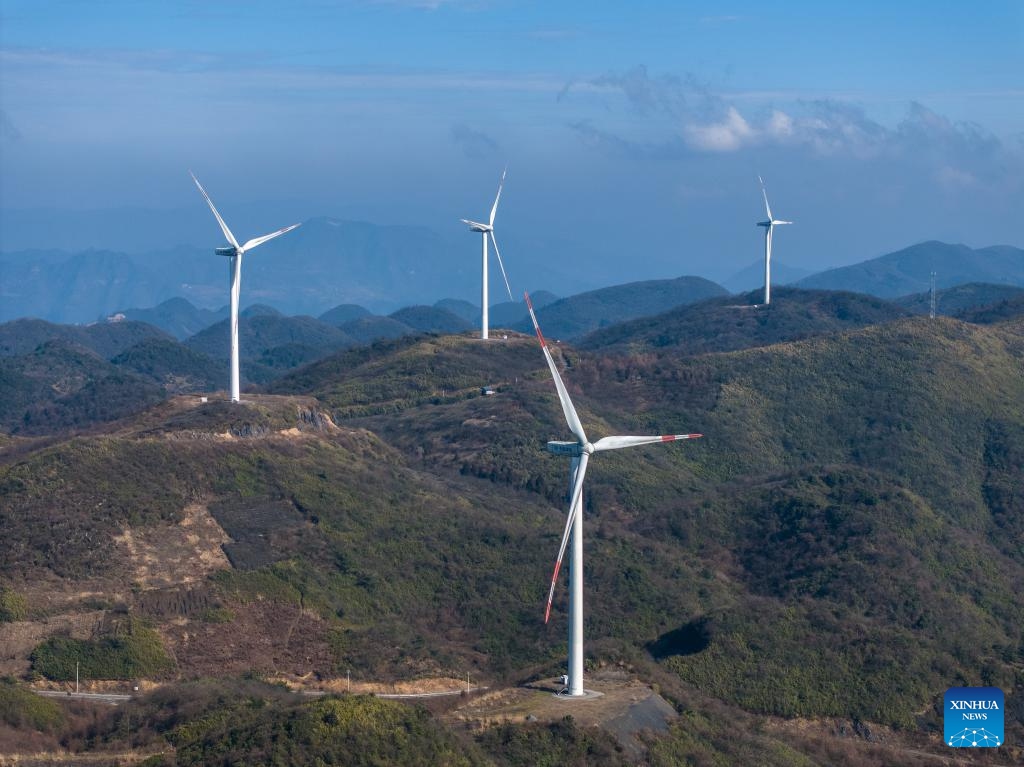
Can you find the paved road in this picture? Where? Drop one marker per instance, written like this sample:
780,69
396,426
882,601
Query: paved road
97,697
404,695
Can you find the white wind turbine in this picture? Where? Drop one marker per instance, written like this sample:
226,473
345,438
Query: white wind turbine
235,252
768,225
488,231
580,452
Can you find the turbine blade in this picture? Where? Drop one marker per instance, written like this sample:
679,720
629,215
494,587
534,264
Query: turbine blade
781,222
568,410
503,275
223,226
765,195
574,503
614,443
260,240
494,208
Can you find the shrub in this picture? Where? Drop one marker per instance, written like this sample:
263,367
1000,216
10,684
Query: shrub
137,652
13,606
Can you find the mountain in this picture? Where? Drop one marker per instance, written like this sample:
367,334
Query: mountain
514,313
429,319
1007,310
174,367
60,386
343,313
580,314
737,322
504,315
177,316
960,299
909,270
323,263
327,261
752,276
107,339
840,548
260,310
464,309
76,288
272,341
366,330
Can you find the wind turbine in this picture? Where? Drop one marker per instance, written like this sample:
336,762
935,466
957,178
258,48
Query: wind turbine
235,252
488,231
580,452
768,225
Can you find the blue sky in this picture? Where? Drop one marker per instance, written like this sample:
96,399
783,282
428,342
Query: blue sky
634,132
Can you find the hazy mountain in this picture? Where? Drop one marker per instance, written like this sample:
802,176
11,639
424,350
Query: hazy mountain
503,315
366,330
260,310
752,276
955,301
74,288
106,339
323,263
270,343
909,270
177,316
736,322
343,313
468,311
580,314
430,319
514,313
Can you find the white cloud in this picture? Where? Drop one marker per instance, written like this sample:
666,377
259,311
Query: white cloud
954,179
731,133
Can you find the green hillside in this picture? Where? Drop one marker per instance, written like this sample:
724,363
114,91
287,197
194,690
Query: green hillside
736,322
578,315
962,300
271,343
62,386
845,542
107,339
366,330
173,366
431,319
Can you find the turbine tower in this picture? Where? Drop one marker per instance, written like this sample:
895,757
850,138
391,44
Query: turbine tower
768,225
487,230
580,452
235,252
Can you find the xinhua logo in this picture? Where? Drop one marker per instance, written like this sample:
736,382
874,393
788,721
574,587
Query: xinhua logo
974,717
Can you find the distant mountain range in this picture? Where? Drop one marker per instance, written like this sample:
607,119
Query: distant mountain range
324,263
752,276
909,270
331,263
578,315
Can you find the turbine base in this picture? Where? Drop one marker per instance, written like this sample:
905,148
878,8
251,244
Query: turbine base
587,695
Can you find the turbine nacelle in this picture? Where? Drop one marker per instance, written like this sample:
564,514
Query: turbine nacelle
227,250
476,226
573,449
